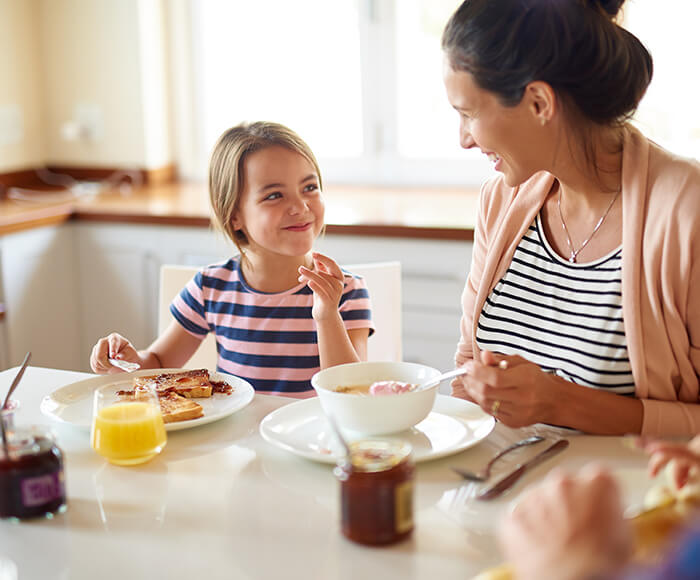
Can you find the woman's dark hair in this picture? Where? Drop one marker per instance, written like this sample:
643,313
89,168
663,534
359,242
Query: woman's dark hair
573,45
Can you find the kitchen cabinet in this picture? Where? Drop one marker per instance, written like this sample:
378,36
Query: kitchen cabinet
69,285
119,266
42,298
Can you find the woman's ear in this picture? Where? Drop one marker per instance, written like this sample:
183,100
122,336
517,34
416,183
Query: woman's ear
541,101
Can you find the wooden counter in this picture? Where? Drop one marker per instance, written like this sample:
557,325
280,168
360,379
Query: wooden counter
446,214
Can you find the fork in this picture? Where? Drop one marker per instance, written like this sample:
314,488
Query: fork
484,474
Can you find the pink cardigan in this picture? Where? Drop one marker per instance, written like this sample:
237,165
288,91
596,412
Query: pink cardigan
660,274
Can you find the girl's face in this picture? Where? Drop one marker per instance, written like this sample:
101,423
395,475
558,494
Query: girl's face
280,208
509,136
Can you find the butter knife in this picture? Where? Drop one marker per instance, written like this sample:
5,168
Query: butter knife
509,480
124,365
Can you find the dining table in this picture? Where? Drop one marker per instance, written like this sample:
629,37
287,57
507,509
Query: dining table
221,501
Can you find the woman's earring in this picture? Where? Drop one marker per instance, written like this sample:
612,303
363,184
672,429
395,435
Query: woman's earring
543,121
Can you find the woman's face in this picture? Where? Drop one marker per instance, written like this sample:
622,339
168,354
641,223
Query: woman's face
511,137
280,209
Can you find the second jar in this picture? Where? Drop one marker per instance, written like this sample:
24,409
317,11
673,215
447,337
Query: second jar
376,492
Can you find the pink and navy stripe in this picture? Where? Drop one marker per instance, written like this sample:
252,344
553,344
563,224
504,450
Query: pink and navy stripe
267,339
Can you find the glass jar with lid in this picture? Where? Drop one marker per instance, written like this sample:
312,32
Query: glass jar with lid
31,472
376,489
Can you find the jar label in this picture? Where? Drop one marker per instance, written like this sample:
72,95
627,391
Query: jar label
403,507
42,489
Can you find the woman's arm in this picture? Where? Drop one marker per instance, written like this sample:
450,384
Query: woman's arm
519,393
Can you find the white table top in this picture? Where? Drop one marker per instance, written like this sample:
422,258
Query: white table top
221,502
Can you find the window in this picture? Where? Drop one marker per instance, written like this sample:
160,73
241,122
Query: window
669,111
361,82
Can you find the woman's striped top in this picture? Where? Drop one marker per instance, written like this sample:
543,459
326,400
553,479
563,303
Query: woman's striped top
267,339
567,318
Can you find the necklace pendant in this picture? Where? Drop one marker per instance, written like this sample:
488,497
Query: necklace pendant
572,257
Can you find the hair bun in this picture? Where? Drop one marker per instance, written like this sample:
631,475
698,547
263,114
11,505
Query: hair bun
611,7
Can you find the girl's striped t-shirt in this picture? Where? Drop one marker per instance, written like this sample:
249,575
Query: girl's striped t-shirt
268,339
567,318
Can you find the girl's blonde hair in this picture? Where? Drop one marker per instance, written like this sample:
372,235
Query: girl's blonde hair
226,167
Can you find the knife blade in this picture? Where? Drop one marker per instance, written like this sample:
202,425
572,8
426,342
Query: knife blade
509,480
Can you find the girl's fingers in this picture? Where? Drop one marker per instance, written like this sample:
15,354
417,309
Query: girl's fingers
329,265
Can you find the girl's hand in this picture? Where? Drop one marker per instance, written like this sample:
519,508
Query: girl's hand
685,458
510,388
112,346
327,283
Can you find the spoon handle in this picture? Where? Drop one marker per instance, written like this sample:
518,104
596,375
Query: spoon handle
443,377
16,380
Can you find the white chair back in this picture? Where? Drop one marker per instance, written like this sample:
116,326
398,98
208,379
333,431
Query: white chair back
383,283
172,280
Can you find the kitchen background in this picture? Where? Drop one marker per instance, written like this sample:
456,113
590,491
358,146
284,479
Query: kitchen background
145,86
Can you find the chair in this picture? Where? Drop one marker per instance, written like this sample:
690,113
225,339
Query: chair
172,280
383,283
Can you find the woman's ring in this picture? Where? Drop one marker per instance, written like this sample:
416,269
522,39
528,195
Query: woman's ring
496,405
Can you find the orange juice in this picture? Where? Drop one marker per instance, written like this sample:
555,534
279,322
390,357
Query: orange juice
128,433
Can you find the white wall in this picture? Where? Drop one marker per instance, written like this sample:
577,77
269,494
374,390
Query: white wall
21,88
105,55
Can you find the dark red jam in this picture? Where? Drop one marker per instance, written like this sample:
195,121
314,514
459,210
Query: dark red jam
376,492
31,476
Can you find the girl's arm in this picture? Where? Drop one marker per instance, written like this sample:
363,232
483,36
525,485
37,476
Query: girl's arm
336,344
172,349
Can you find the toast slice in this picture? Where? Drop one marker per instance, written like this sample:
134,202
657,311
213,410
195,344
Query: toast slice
190,384
175,408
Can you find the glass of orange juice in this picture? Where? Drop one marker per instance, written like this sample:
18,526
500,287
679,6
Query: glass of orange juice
127,429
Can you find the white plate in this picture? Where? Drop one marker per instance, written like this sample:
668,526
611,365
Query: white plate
73,403
452,425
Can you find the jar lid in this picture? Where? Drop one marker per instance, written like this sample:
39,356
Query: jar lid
26,441
369,455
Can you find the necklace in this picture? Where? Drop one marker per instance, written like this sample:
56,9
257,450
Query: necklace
572,252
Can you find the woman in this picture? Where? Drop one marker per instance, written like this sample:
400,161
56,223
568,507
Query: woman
580,309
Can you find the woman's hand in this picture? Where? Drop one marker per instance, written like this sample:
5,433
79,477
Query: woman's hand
112,346
684,459
570,527
326,281
510,388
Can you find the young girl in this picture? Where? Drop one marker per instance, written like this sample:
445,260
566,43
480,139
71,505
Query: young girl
280,312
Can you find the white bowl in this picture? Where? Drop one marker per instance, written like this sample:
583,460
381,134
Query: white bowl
375,414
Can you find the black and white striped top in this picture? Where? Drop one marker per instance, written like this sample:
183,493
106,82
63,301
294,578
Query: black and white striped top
567,318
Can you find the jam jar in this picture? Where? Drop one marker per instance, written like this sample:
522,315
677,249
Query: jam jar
376,492
31,473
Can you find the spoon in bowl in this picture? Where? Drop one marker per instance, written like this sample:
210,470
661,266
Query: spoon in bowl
394,387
